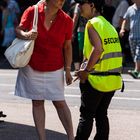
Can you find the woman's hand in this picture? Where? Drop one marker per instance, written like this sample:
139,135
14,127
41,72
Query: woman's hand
31,35
68,77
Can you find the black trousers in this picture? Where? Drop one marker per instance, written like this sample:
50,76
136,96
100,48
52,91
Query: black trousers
94,104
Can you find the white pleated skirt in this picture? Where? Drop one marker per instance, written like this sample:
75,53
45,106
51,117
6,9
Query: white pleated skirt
37,85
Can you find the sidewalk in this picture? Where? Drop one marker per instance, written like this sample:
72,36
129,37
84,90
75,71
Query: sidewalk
19,124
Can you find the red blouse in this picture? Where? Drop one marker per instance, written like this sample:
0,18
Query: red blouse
48,49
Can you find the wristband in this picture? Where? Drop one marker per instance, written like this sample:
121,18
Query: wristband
86,70
68,67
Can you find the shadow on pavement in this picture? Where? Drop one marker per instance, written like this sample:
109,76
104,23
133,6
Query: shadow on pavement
4,64
14,131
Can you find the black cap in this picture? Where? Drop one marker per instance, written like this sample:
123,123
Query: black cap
98,3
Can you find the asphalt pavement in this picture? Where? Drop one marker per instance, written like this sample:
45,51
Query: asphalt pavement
19,125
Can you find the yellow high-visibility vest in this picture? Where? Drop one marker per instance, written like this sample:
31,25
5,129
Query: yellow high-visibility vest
111,57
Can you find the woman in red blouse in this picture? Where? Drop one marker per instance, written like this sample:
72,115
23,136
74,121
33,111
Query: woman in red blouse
43,78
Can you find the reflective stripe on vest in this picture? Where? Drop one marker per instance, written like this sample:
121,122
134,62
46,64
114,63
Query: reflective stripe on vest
112,70
111,58
111,55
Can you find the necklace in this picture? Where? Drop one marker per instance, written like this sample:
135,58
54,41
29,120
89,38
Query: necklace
52,18
51,21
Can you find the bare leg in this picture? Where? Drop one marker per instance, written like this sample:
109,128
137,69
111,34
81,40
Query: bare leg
65,117
39,117
137,66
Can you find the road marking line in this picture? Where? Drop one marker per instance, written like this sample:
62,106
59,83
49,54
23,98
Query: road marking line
70,95
131,80
125,90
8,74
126,98
115,98
10,85
16,72
11,93
73,88
131,90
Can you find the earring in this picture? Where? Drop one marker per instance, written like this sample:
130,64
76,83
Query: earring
45,8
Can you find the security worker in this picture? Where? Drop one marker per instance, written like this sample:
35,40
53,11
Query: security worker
100,75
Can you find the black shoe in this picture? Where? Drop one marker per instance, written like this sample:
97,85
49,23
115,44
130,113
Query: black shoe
2,115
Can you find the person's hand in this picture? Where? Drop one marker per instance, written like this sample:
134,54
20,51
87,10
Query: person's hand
68,77
82,75
121,33
31,35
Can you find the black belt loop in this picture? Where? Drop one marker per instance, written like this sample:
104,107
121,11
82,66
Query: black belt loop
123,86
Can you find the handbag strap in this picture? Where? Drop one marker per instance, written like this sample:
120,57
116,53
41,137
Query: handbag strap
35,20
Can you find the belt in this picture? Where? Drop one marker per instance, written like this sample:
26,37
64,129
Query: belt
106,73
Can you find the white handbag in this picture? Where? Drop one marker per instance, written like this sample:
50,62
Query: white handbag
19,52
